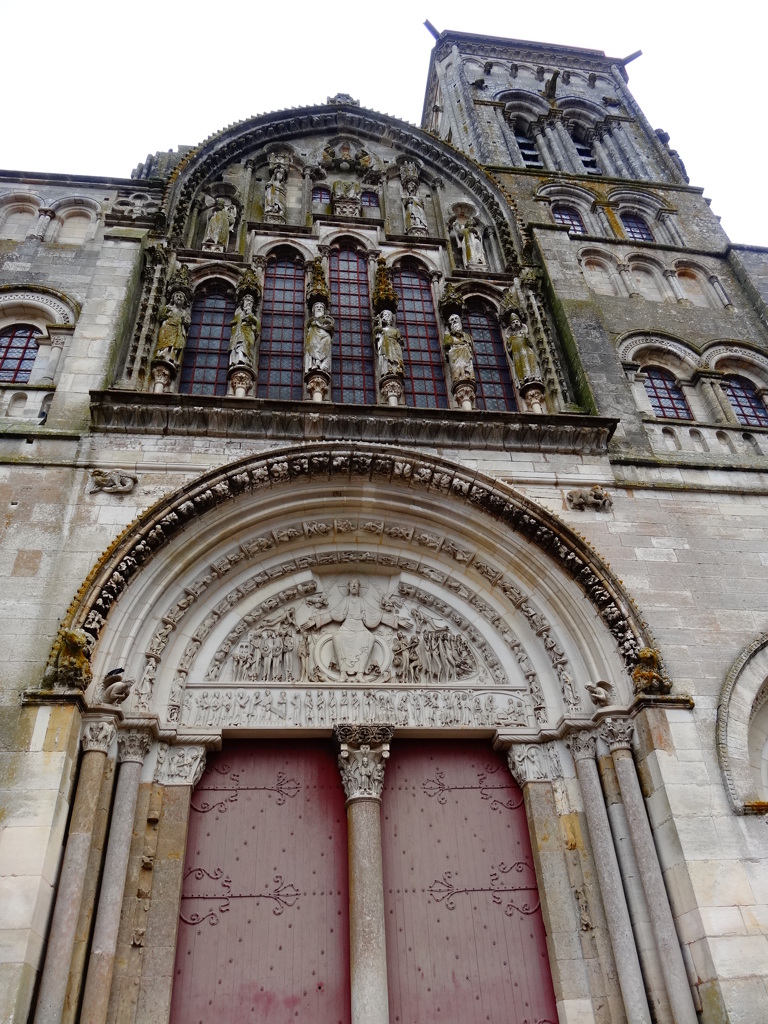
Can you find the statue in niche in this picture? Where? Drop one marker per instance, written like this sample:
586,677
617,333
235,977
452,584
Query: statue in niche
388,341
317,345
469,237
413,208
172,336
218,228
459,351
274,194
520,348
245,331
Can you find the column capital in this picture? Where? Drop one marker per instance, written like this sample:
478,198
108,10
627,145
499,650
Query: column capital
617,733
133,745
534,762
98,735
179,765
363,753
582,745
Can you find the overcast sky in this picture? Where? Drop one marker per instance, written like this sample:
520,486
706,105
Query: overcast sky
92,87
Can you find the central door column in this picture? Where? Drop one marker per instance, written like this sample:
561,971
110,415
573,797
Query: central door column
362,757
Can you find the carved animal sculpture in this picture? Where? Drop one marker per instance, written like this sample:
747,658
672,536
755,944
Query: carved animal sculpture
581,498
114,689
71,668
600,693
646,677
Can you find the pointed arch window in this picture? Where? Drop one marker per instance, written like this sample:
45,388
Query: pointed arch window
494,383
18,349
281,349
353,378
636,227
665,394
424,375
206,354
570,218
746,403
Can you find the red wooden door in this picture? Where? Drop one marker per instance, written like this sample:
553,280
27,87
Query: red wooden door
263,931
465,936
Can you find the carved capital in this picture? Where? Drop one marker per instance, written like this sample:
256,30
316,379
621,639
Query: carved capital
392,389
133,745
179,766
162,376
617,733
582,745
464,392
318,385
363,752
98,736
534,762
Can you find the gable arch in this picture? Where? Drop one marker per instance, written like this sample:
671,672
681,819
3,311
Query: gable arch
528,593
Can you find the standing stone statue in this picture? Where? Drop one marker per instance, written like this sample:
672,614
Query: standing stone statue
317,346
460,351
388,341
172,336
520,348
274,195
413,208
245,331
469,236
221,221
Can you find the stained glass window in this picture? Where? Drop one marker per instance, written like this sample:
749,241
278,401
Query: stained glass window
18,348
636,228
352,364
494,383
422,353
747,404
570,218
281,352
206,354
667,398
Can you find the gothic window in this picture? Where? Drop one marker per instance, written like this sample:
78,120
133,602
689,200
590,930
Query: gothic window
321,195
665,394
353,373
570,218
206,355
370,199
18,348
281,350
424,377
747,404
494,384
636,227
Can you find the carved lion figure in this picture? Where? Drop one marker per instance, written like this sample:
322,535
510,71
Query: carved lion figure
71,668
596,497
646,677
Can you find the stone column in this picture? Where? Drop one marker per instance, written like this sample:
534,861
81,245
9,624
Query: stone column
44,217
98,733
582,747
618,736
132,745
674,284
720,291
363,753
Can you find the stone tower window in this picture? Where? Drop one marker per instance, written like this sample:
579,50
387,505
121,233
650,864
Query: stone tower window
636,227
665,394
570,218
424,376
353,373
206,355
18,348
747,404
281,350
527,149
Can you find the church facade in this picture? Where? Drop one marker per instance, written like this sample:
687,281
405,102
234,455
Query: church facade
384,556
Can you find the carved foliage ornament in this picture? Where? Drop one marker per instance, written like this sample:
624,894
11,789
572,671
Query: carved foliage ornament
617,733
363,752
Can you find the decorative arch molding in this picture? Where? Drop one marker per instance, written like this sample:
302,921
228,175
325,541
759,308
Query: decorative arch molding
217,270
207,161
743,700
716,353
284,483
630,347
33,301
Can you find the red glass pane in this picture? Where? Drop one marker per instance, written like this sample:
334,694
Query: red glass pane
636,228
667,399
570,218
206,354
18,349
464,928
281,351
494,383
749,407
352,364
422,354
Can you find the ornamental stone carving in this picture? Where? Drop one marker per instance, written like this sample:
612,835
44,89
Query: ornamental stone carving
346,198
468,234
363,752
460,352
527,763
70,667
98,736
582,745
617,733
244,335
595,497
112,481
133,745
275,190
647,676
179,765
113,689
220,222
175,320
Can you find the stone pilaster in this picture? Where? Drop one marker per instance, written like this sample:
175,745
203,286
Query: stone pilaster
133,745
363,753
617,734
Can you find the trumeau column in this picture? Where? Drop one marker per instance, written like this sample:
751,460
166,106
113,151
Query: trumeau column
364,750
618,736
582,746
133,745
98,733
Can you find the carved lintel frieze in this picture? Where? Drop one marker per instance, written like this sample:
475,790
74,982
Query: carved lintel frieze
98,734
617,733
179,765
363,752
582,745
133,745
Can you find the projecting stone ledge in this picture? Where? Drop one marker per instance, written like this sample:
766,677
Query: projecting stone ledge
128,412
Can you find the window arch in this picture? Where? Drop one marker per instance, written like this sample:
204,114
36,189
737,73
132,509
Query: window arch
569,217
353,377
17,223
494,383
321,196
665,394
424,376
745,401
18,349
585,149
281,350
206,354
636,227
75,228
692,287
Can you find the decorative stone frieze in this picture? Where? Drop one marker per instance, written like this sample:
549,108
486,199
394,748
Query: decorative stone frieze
112,481
534,762
133,745
363,753
595,497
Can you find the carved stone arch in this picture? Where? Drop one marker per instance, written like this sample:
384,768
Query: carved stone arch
740,358
205,273
633,348
26,204
594,252
523,105
584,112
335,239
210,159
632,200
270,247
40,305
742,729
